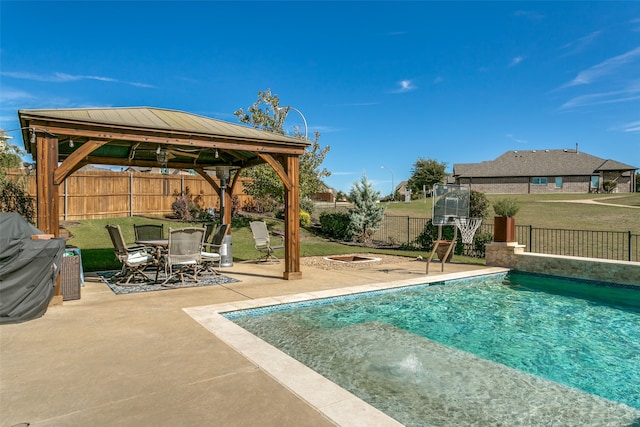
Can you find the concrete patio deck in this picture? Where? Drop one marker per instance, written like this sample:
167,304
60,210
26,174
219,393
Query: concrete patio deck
140,360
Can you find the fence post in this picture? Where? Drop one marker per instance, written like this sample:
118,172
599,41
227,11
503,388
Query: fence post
408,230
629,239
530,237
66,200
130,193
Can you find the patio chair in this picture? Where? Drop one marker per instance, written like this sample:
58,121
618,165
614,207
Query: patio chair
211,251
148,231
134,259
183,258
208,230
262,240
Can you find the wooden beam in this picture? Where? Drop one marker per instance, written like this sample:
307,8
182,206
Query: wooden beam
230,143
282,173
76,158
292,220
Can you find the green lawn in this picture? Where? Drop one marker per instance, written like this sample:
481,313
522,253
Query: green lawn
547,211
97,251
544,211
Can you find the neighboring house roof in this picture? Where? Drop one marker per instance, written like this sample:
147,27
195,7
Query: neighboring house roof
539,163
401,186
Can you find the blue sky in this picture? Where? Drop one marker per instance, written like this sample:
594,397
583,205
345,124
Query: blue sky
385,83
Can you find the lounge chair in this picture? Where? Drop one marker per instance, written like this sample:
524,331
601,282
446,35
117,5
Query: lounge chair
262,240
134,259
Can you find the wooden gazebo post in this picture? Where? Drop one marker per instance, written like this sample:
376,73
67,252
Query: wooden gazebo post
47,210
292,220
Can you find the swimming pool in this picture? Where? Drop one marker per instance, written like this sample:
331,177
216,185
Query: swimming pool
490,351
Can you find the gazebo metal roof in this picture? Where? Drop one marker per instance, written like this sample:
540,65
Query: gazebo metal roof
133,136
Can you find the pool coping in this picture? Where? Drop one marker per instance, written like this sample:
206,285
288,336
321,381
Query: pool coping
331,400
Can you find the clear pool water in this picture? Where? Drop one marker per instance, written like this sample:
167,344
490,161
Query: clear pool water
416,353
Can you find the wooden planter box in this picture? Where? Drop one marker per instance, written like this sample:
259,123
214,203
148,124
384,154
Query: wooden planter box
441,250
504,229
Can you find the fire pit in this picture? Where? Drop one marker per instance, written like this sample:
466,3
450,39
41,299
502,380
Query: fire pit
351,259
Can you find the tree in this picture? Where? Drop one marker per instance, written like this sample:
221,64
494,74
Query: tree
13,192
426,172
367,214
478,205
267,114
9,153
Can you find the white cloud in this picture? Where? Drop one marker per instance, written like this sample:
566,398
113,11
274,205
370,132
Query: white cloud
9,94
529,14
580,44
58,77
515,61
438,79
405,86
631,127
604,68
613,97
518,140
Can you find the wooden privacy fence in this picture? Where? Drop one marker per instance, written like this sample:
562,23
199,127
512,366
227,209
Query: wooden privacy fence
109,194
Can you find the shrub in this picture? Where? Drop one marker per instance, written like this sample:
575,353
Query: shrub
335,225
479,244
609,186
478,205
305,219
429,235
14,198
506,207
186,207
307,205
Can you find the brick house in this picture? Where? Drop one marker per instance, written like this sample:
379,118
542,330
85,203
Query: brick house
545,171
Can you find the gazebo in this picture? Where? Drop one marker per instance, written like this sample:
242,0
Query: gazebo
64,140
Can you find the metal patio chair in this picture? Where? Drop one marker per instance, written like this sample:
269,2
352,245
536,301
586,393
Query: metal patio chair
135,259
183,258
262,240
148,231
211,251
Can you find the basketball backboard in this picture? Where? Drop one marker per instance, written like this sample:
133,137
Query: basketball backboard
450,202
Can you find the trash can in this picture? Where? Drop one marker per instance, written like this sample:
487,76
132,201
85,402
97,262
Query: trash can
226,255
70,275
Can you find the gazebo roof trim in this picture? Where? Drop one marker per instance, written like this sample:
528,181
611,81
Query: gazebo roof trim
160,119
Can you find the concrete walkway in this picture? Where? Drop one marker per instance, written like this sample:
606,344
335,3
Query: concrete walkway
140,360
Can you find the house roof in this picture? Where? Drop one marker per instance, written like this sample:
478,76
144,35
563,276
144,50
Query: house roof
540,163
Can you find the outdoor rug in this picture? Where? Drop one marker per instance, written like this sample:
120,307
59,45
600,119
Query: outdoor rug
205,280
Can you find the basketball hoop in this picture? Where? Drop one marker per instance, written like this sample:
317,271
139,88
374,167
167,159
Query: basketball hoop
468,227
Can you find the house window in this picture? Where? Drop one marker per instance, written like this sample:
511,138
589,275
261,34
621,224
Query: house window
558,182
539,180
595,181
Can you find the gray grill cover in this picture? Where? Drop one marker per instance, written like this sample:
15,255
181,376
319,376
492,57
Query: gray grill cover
28,269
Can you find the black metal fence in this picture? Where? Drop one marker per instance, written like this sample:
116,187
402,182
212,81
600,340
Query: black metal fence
614,245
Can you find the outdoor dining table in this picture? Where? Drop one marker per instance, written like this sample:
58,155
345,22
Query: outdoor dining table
160,245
